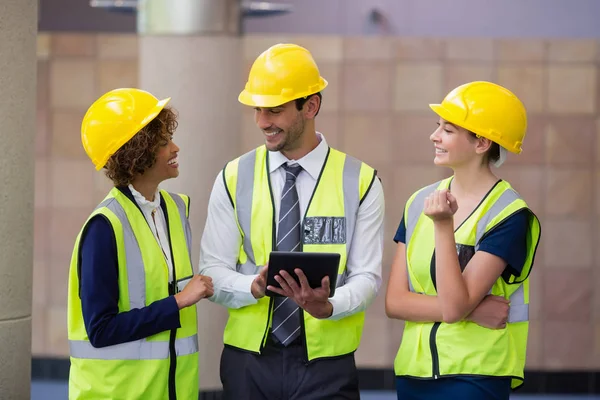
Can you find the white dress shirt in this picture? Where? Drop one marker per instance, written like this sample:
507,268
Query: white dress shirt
158,224
221,239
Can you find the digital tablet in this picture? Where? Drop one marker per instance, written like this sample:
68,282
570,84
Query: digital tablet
315,266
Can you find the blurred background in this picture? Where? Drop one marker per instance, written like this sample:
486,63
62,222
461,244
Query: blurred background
385,61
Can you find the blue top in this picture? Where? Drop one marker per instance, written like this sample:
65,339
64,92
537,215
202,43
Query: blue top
509,242
99,293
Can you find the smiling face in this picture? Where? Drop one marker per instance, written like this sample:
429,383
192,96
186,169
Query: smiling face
166,165
282,126
455,146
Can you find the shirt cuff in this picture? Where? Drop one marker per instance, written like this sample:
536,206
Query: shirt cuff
243,286
339,309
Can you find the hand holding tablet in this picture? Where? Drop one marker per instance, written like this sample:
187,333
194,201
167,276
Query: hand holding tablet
308,278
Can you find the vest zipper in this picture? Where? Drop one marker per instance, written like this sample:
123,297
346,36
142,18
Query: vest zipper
172,291
434,354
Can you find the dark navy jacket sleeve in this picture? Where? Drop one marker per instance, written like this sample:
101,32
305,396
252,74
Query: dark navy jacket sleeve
509,241
400,235
99,292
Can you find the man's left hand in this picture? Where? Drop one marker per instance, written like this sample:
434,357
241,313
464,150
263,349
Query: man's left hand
313,301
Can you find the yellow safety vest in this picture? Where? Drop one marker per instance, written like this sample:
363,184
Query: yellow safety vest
145,368
328,226
434,350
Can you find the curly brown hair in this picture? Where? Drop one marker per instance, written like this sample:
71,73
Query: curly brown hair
139,154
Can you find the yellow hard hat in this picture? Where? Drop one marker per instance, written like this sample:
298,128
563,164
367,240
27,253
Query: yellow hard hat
282,73
113,119
488,110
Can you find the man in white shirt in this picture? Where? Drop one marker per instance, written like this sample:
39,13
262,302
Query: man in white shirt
295,193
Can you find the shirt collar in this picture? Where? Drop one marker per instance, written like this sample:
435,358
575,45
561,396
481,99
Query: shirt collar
143,202
311,163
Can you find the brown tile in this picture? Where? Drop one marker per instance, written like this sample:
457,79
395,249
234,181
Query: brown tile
58,279
572,89
596,357
536,291
113,74
527,82
417,85
568,345
73,44
42,137
572,50
328,123
42,184
568,192
567,243
40,282
367,86
374,352
38,330
534,346
121,46
254,45
368,138
102,185
324,48
65,225
252,137
470,49
410,138
331,94
596,293
419,48
568,141
66,135
560,301
72,83
365,48
410,178
43,46
56,325
396,331
597,192
41,233
456,74
520,50
67,174
528,181
534,143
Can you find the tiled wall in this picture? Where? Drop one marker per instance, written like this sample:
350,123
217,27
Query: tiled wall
376,109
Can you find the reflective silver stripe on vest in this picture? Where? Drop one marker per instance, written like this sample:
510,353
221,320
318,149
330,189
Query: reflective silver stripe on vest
136,276
184,221
137,350
136,283
412,216
519,311
245,192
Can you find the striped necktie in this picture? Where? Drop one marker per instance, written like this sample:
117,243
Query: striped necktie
286,313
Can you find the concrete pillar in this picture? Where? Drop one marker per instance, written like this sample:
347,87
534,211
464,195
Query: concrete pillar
18,30
190,50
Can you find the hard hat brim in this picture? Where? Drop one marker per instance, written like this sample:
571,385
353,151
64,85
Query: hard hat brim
449,116
151,115
269,101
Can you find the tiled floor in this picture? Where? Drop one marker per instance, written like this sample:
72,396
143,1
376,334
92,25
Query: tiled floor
43,390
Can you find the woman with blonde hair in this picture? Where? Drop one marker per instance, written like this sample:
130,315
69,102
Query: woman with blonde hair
465,250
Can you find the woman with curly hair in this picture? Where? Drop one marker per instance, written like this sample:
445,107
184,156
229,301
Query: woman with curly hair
132,325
